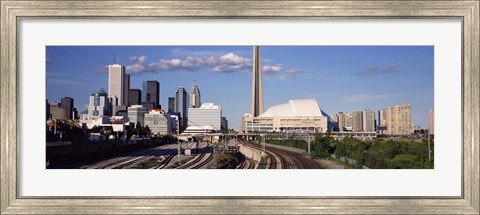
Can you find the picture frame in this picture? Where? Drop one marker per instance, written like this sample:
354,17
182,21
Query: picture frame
13,11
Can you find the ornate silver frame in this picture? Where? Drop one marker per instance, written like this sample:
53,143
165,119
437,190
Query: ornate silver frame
11,11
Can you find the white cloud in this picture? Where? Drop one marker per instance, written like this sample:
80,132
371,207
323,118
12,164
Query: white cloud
279,72
226,63
229,62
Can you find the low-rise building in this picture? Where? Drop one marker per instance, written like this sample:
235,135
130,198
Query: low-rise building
136,114
207,114
303,114
158,122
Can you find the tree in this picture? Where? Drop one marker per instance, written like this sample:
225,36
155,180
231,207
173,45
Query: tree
147,130
340,150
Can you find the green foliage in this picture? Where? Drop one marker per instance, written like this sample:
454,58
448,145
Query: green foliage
375,154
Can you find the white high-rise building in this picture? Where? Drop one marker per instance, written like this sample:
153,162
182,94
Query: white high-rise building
207,114
195,96
116,84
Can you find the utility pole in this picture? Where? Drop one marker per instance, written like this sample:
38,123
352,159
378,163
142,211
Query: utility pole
429,151
178,151
309,140
263,143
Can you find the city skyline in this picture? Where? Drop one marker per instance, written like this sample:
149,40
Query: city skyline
340,78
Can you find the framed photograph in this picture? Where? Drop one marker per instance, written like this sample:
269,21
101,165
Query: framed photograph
239,107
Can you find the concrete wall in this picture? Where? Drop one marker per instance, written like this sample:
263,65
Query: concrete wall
251,153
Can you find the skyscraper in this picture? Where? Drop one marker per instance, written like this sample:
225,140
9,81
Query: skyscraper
195,96
116,84
181,106
151,93
399,120
134,97
171,104
98,105
368,121
257,92
126,89
67,105
357,121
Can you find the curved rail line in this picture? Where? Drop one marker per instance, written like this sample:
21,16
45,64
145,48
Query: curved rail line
192,163
288,160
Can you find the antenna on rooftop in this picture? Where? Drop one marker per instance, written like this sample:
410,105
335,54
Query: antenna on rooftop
114,57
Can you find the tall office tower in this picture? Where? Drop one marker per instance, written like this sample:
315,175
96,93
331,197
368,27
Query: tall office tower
116,84
171,104
257,92
195,96
151,93
368,121
134,97
67,105
431,127
181,106
126,89
98,105
399,120
357,121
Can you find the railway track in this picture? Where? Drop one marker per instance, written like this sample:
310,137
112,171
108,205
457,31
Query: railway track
165,162
288,160
248,163
272,158
133,158
197,162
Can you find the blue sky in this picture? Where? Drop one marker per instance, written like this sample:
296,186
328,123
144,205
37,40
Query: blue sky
340,78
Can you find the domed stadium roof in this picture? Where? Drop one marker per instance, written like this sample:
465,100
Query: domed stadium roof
295,108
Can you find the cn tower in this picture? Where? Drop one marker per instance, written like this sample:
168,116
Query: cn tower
257,92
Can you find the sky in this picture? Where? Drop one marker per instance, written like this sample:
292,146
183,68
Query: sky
340,78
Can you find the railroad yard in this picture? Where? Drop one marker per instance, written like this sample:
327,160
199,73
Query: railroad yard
207,156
